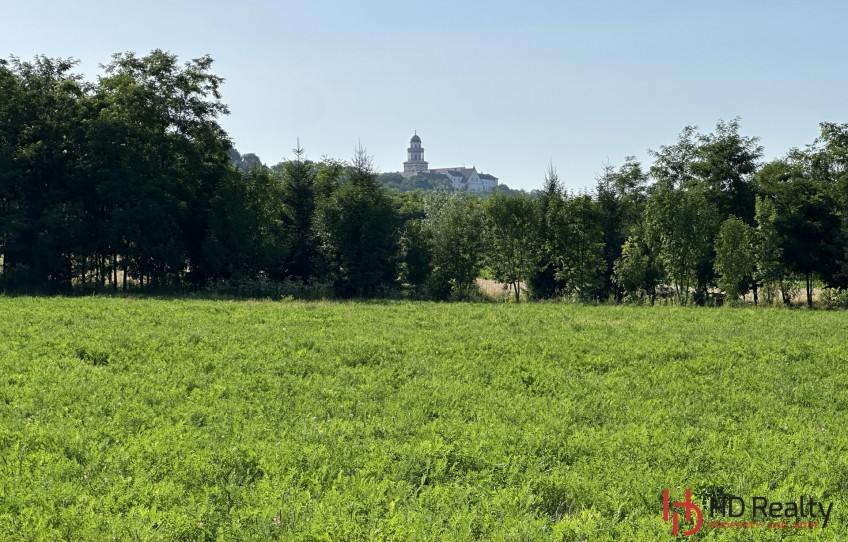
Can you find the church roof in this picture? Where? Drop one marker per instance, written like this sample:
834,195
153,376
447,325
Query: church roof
415,139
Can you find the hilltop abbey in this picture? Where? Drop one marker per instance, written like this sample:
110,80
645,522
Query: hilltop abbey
462,178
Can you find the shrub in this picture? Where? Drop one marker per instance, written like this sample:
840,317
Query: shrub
834,298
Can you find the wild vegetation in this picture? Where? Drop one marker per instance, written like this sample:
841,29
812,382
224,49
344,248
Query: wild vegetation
130,183
144,419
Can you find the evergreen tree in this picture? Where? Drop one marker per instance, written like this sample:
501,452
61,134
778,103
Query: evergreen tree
542,280
298,194
576,243
359,225
620,195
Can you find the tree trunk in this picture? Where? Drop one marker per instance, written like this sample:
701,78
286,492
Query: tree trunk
756,299
114,272
809,290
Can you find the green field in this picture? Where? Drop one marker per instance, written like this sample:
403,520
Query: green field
215,420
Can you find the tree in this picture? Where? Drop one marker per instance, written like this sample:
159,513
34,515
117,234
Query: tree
576,243
455,223
675,169
724,166
542,280
831,160
631,268
735,258
723,169
298,210
416,256
637,271
359,229
680,223
43,185
510,241
769,269
157,125
807,220
620,195
10,173
397,182
674,164
251,161
246,235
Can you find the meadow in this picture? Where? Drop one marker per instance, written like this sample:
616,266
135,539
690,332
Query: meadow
146,419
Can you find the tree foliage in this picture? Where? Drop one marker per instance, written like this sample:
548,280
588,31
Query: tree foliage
542,280
679,224
735,259
576,241
455,224
510,239
620,195
359,226
130,182
298,212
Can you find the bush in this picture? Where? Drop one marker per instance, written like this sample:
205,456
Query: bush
834,298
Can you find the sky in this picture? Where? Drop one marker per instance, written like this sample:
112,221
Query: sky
507,87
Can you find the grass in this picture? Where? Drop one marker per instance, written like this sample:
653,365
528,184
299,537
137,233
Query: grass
134,419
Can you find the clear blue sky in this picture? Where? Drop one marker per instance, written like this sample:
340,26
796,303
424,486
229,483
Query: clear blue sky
505,86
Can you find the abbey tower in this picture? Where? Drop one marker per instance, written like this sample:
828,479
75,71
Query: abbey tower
415,163
460,178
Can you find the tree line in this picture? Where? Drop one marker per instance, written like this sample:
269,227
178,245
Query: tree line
130,183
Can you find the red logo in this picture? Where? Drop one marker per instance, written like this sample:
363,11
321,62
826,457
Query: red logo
687,505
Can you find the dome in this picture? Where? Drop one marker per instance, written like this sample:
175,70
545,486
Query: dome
415,139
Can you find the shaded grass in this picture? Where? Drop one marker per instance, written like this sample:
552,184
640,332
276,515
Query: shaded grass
208,420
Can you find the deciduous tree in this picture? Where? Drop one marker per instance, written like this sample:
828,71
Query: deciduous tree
735,257
455,223
510,241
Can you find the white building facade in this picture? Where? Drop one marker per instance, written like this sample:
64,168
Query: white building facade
462,178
